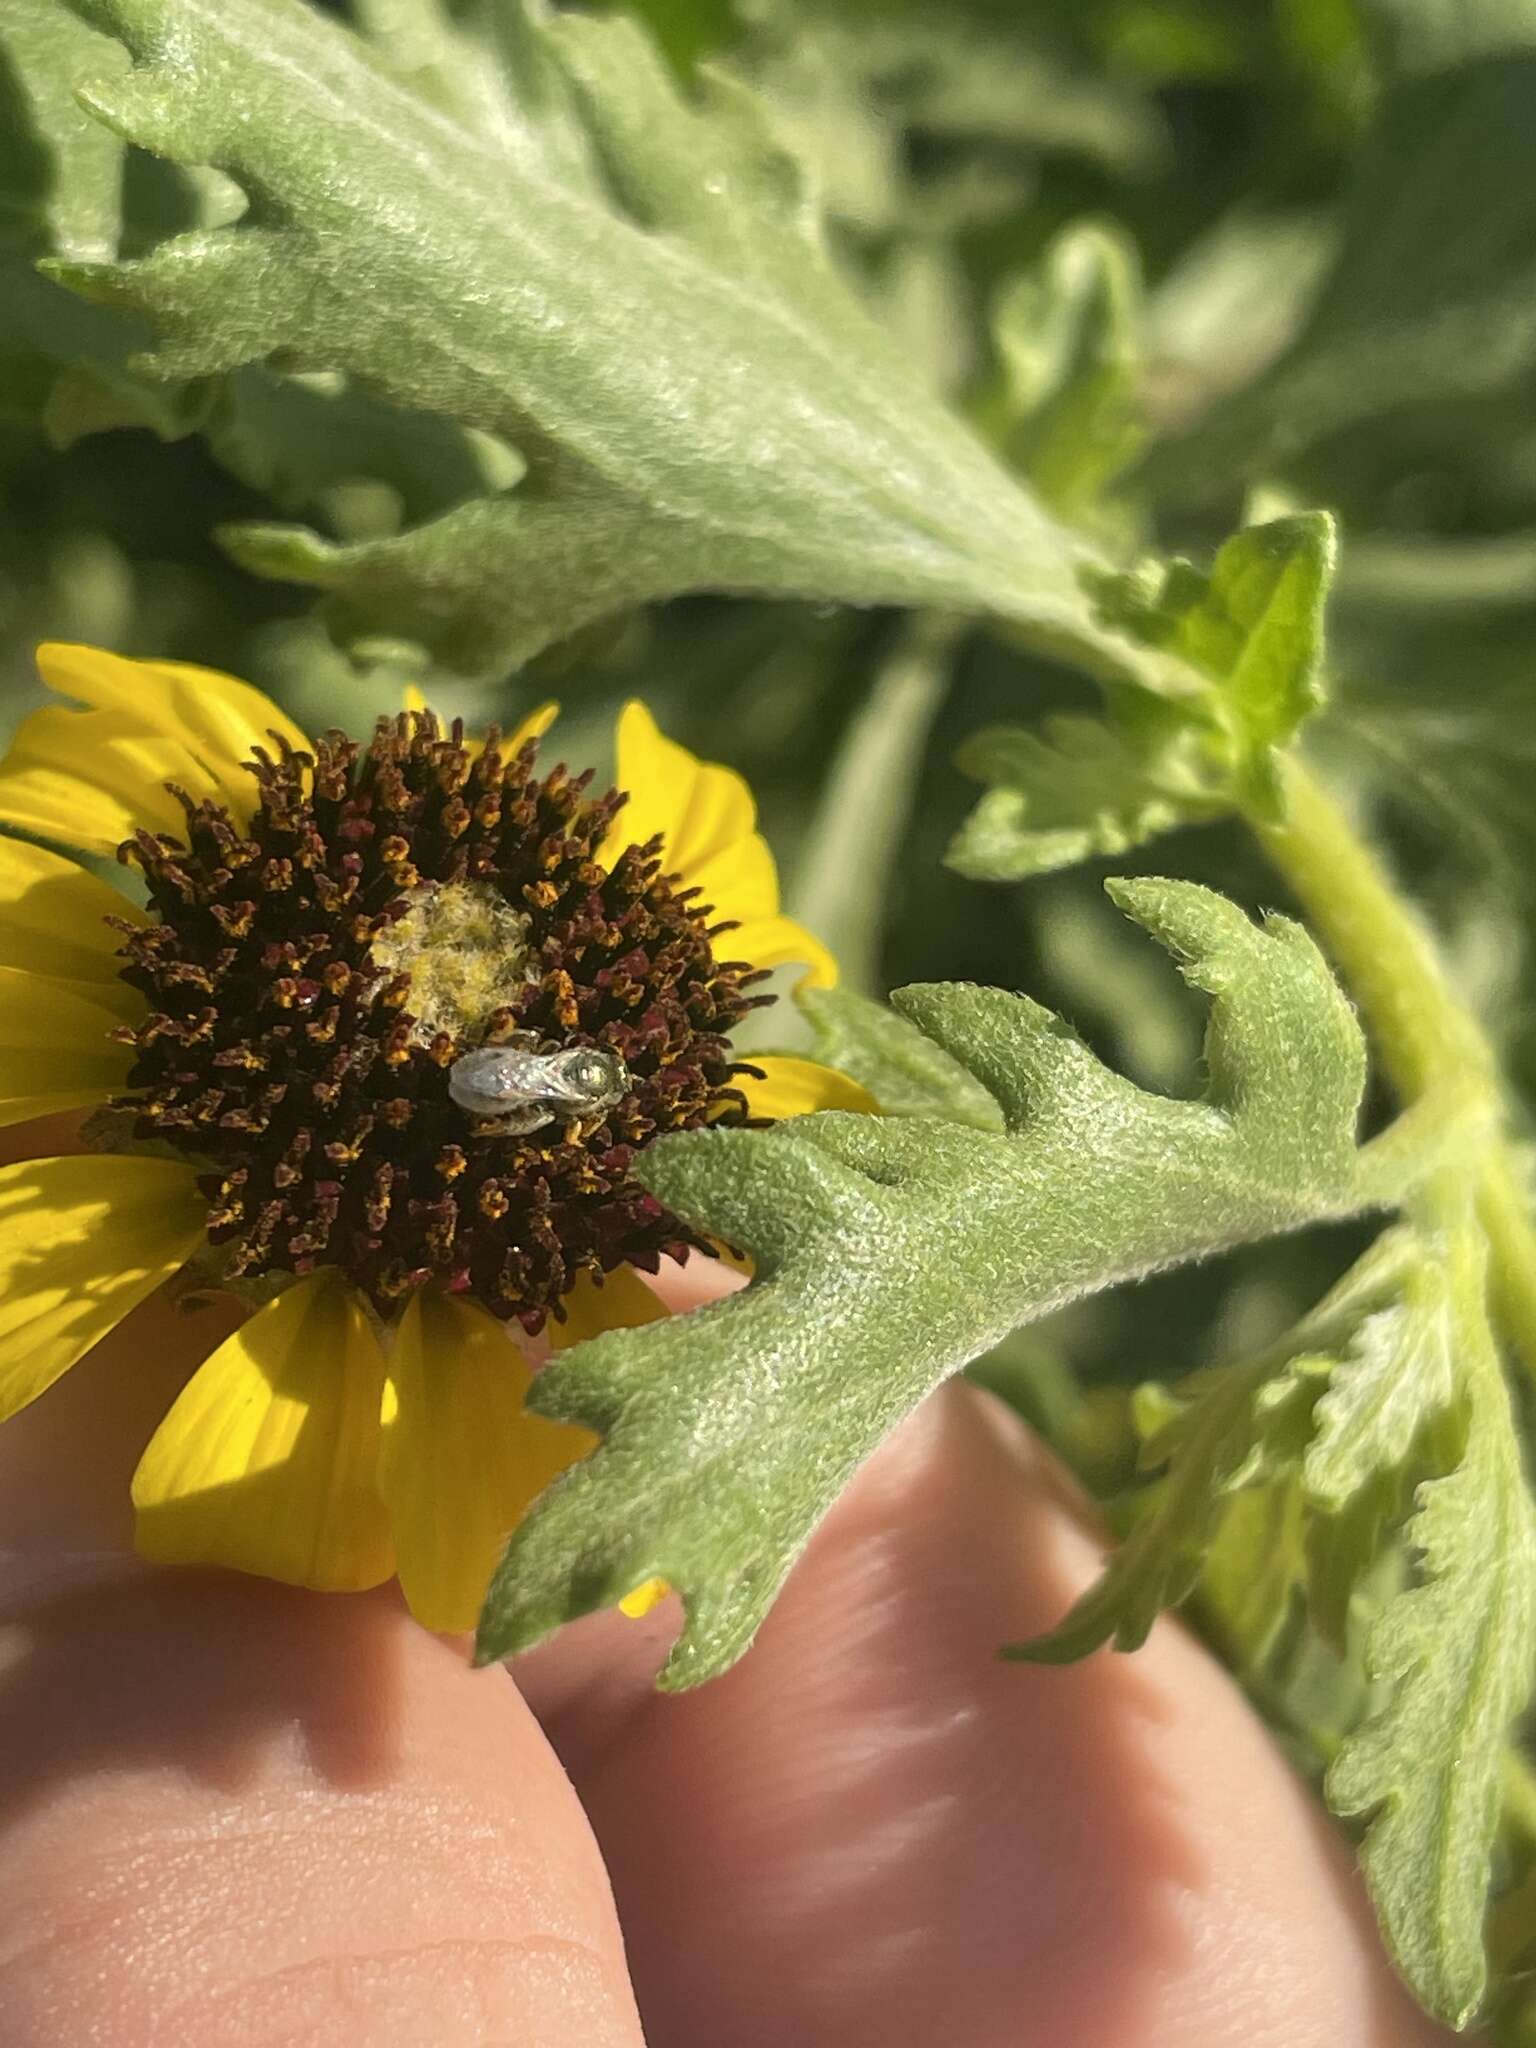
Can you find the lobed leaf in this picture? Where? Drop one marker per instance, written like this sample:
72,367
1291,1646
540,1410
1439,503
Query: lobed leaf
1251,630
60,194
1080,787
1399,1371
1217,1448
892,1251
1322,1424
625,281
903,1069
1455,1651
1223,1432
1254,626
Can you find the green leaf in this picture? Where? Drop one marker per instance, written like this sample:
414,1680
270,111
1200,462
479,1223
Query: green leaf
60,173
60,194
892,1251
1221,1433
1397,1374
1078,788
1391,1392
624,281
905,1071
1456,1652
1215,1449
1252,629
1068,338
1251,1568
1389,1402
1254,626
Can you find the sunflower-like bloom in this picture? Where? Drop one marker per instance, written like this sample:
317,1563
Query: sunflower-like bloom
285,1056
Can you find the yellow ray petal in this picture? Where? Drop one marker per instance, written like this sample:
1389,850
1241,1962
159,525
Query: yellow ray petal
622,1302
796,1087
708,823
699,808
83,1241
55,1046
53,916
533,727
268,1461
770,941
89,778
463,1459
741,880
218,718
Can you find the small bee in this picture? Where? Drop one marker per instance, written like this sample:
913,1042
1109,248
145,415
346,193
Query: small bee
521,1089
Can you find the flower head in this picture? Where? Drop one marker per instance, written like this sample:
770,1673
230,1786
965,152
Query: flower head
377,1054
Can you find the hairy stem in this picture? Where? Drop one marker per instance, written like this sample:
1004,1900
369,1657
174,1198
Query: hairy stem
1427,1039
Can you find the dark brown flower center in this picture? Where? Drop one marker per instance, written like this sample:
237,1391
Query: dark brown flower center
314,979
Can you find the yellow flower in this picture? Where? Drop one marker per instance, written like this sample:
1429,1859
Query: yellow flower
286,1051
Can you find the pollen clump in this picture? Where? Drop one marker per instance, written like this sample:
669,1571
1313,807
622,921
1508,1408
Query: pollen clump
468,954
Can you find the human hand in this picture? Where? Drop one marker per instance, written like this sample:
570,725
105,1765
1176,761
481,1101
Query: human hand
245,1815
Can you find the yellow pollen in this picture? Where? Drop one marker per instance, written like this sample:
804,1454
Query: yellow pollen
467,954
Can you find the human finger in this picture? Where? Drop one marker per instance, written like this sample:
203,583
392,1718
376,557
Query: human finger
239,1813
872,1829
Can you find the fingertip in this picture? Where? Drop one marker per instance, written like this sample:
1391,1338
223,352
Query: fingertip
874,1829
236,1813
247,1814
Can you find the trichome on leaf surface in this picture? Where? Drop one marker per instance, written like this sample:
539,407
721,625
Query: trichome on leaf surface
1020,395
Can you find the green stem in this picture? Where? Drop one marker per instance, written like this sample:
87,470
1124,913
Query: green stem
841,880
1427,1039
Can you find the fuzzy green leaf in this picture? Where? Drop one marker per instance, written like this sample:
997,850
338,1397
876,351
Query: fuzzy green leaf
626,283
60,173
1390,1379
1252,629
60,194
1456,1651
1254,625
1219,1434
1398,1373
1215,1449
903,1069
1251,1568
1079,788
892,1251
